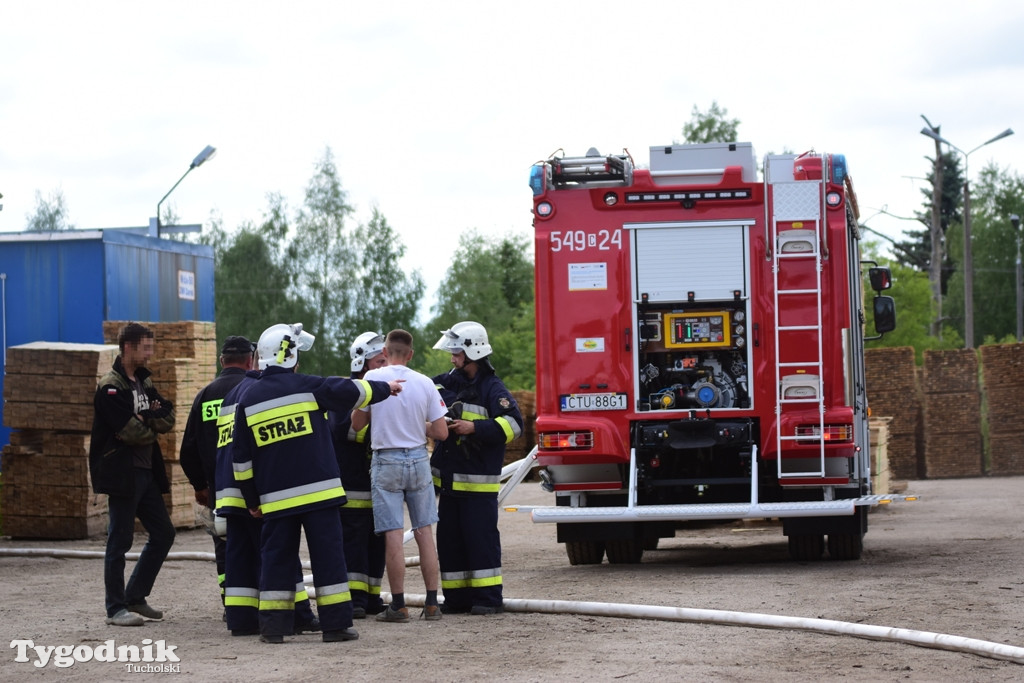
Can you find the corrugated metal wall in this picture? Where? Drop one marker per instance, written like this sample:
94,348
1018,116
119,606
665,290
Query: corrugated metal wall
62,286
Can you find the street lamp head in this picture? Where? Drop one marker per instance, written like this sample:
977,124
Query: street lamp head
205,156
928,132
1015,222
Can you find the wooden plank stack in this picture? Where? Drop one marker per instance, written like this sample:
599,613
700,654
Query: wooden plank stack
48,392
184,361
49,389
893,392
952,414
878,429
1003,375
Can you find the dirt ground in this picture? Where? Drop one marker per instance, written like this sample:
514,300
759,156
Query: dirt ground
949,563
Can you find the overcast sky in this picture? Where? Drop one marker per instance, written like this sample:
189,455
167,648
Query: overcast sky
436,111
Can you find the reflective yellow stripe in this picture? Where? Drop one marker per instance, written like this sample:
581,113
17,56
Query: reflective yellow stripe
332,595
364,386
243,470
358,504
225,425
480,578
305,499
476,488
241,601
508,426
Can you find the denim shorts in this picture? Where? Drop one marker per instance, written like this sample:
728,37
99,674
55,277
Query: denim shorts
397,475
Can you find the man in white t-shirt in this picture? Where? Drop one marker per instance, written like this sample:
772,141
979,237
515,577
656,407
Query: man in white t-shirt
400,471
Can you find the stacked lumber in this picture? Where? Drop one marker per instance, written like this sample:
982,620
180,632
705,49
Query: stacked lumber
892,386
184,361
1003,376
48,392
878,430
952,414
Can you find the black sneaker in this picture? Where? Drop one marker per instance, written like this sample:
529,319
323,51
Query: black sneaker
341,635
245,631
454,609
481,610
358,612
272,639
308,626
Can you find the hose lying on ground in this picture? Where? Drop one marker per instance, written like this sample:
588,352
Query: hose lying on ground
927,639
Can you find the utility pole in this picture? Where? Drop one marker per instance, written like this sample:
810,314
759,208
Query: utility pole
935,231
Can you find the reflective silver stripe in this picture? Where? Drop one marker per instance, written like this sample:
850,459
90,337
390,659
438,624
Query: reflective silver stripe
510,426
334,589
296,491
358,495
475,409
471,574
365,393
477,478
234,592
279,402
241,467
229,493
266,596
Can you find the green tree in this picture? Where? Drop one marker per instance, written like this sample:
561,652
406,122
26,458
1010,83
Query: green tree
912,294
995,197
253,289
51,214
323,252
489,281
385,296
710,126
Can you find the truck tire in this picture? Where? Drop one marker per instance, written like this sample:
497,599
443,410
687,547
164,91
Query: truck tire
845,546
806,547
624,552
584,552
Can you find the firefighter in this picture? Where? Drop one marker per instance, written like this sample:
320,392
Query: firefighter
467,472
242,532
364,550
288,474
198,453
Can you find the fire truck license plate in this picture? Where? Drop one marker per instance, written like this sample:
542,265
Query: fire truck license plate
609,401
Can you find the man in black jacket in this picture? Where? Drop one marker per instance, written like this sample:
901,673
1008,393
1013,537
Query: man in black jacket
198,455
125,462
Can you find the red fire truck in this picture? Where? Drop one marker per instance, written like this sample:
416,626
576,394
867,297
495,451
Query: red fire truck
700,348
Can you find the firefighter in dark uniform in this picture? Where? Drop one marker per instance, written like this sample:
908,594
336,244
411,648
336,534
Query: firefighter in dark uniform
288,474
467,472
364,550
198,453
242,531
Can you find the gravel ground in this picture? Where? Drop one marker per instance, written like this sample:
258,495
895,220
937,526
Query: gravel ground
949,563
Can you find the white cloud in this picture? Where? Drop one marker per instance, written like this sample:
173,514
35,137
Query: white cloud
436,112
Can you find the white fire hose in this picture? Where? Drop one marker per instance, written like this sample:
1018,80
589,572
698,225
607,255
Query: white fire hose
517,471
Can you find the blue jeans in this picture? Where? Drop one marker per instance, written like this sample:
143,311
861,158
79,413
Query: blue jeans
148,505
400,475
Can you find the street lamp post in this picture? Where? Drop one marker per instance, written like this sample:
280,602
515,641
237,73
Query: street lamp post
204,156
1015,222
968,260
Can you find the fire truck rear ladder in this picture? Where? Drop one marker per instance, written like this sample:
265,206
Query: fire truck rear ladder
799,204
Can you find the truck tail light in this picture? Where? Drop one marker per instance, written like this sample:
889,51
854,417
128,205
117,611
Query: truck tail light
839,433
566,441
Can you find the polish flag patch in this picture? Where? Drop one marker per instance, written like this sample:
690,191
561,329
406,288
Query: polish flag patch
111,391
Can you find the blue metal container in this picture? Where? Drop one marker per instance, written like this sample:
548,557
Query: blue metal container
62,286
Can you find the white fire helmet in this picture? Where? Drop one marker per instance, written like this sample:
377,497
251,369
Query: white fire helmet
467,336
279,345
366,346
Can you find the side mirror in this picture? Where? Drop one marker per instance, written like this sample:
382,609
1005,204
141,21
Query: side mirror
881,278
885,314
